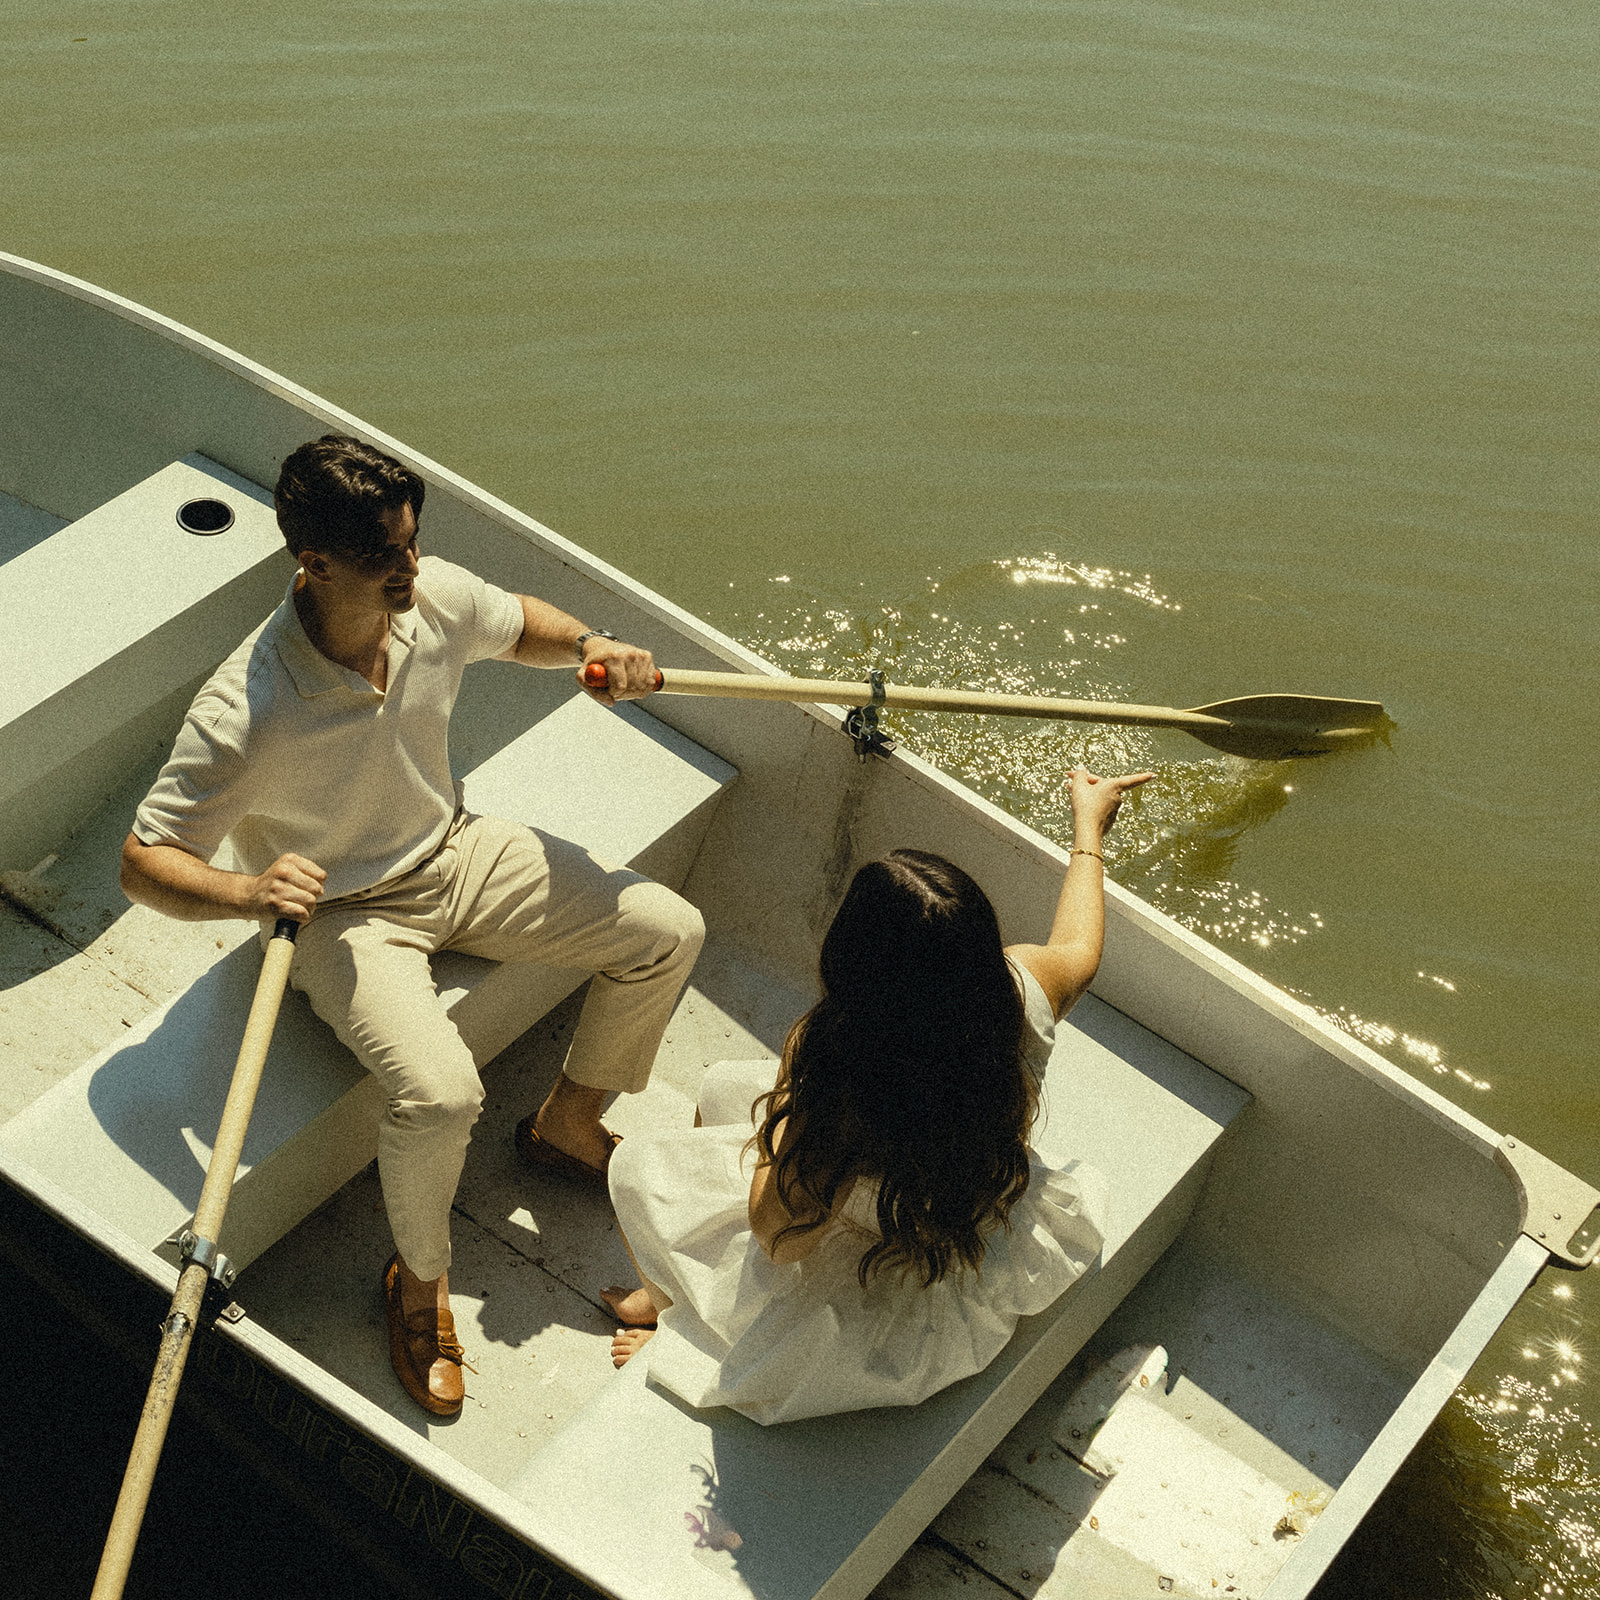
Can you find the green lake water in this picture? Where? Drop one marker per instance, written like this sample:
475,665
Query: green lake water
1155,352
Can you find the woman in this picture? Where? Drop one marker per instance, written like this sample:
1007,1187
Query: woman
871,1228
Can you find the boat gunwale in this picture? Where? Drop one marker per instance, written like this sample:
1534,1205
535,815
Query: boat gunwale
1424,1399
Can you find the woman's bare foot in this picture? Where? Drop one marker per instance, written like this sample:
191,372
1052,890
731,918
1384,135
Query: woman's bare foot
633,1306
628,1343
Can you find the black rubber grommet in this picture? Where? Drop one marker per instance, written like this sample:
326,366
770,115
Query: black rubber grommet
205,516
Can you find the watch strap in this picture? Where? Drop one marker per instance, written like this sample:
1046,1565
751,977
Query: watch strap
592,633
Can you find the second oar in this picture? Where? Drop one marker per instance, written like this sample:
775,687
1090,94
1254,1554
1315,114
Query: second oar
1263,727
202,1262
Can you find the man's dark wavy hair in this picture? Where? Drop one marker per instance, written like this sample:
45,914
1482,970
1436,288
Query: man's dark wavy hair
332,492
908,1071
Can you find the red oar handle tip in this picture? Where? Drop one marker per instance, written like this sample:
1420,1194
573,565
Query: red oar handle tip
595,676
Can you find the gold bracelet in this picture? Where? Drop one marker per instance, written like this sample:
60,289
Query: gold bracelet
1095,853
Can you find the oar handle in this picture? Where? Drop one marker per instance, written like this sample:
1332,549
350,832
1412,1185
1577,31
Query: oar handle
595,676
184,1313
241,1101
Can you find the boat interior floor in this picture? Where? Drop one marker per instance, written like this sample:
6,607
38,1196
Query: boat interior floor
1261,1408
79,966
1208,1479
530,1251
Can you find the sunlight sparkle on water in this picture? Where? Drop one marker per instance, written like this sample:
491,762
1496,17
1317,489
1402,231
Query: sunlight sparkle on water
1380,1036
1539,1452
1177,841
1047,569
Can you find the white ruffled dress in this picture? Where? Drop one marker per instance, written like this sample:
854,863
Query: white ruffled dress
805,1339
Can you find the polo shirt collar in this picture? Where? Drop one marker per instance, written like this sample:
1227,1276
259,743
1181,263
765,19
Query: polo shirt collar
313,673
403,629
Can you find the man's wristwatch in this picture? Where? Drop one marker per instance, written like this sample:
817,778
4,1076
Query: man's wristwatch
593,633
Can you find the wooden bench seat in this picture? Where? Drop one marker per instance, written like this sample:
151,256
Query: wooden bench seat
110,621
130,1132
825,1507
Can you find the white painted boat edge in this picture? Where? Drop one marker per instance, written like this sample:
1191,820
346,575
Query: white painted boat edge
1415,1414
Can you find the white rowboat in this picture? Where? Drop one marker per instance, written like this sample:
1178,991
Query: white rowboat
1308,1247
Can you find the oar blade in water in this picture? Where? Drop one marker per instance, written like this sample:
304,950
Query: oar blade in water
1282,727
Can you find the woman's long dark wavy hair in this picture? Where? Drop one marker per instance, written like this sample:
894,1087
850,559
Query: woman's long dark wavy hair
909,1070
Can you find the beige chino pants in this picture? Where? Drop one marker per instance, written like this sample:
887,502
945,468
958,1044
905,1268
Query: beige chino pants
508,893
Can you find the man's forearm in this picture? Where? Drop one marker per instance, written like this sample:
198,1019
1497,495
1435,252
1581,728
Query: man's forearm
550,639
177,884
548,635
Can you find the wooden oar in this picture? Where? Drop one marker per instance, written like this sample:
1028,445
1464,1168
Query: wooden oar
201,1261
1264,727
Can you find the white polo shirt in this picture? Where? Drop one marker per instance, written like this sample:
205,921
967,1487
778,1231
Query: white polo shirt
285,750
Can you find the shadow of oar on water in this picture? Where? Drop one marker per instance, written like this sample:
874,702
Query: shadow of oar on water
1203,811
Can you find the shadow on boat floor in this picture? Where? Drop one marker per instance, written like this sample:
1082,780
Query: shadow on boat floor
530,1253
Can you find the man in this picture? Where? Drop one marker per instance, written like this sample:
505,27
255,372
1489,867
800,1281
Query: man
319,749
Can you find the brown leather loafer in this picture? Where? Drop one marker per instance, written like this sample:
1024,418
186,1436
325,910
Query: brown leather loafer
424,1351
544,1156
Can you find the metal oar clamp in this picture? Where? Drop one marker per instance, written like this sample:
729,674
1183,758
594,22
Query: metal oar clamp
191,1247
862,722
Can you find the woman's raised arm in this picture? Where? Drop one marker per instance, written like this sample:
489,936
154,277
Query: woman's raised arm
1065,965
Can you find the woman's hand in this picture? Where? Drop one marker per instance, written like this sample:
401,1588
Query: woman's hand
1095,801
